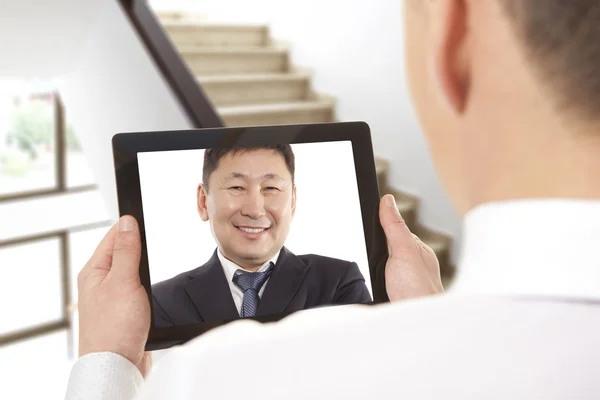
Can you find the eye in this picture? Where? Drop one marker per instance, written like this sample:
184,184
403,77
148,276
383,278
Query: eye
236,188
271,188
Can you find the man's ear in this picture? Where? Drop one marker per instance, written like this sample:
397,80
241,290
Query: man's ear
451,58
202,194
294,200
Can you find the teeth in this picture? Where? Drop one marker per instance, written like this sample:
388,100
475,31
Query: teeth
252,230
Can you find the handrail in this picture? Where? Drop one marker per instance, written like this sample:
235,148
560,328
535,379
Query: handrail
198,108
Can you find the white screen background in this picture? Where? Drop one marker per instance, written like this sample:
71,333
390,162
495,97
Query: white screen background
327,222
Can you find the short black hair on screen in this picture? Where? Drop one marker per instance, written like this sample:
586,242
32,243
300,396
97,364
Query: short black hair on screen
213,156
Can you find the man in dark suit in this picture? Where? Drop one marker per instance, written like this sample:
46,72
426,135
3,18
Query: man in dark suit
248,196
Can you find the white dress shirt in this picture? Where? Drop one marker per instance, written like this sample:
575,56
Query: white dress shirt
522,321
230,268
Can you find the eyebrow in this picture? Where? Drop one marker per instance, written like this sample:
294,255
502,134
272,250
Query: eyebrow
240,175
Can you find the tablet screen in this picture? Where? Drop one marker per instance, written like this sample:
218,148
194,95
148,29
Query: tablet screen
244,232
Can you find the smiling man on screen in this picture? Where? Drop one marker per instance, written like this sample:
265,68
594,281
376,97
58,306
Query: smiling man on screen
249,199
508,96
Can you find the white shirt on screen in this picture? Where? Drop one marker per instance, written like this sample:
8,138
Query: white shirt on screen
230,268
522,321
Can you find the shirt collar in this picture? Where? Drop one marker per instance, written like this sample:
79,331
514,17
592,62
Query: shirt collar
230,268
548,248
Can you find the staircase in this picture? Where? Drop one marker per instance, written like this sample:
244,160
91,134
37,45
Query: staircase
249,79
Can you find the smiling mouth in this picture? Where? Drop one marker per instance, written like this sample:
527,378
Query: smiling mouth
251,230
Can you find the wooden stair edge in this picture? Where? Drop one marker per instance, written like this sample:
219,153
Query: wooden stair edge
381,165
252,77
179,15
231,49
187,23
264,108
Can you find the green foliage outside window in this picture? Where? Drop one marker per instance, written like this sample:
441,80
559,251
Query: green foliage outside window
32,131
33,127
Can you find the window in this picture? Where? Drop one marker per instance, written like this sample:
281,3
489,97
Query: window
48,205
28,155
31,287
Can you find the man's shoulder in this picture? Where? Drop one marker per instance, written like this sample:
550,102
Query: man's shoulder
464,321
319,260
324,267
444,338
177,283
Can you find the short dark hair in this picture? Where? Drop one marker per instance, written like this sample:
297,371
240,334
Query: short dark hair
562,40
213,156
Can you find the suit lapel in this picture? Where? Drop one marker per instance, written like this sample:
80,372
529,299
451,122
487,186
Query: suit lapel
283,284
210,293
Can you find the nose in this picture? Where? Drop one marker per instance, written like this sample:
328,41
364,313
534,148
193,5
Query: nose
254,204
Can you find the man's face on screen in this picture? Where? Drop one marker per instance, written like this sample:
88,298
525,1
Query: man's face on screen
249,203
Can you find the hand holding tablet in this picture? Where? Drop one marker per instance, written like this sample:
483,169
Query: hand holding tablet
255,222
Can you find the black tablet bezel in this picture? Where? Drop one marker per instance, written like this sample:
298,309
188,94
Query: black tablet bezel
126,146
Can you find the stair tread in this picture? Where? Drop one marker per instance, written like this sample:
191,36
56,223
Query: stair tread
380,165
283,76
404,206
276,107
167,18
405,198
220,49
436,241
436,245
212,25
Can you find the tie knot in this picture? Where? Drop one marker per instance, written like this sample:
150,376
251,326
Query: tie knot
251,280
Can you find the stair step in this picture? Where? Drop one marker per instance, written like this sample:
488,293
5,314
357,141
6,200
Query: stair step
437,246
447,281
187,33
175,16
441,245
381,167
448,273
229,60
408,207
314,111
232,90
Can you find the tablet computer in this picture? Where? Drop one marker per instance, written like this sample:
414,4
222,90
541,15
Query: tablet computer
252,222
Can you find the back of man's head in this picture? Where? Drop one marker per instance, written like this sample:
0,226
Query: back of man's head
508,95
562,41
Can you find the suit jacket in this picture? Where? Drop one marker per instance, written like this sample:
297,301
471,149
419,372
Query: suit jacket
296,283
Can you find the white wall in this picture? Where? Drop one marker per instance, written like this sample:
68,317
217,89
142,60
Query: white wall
39,37
355,49
112,87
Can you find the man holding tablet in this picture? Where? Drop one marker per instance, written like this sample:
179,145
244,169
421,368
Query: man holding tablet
508,96
249,199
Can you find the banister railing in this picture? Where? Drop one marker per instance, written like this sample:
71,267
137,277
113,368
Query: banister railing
196,105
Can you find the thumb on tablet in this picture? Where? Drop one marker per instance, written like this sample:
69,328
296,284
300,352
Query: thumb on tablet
127,250
412,269
399,237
